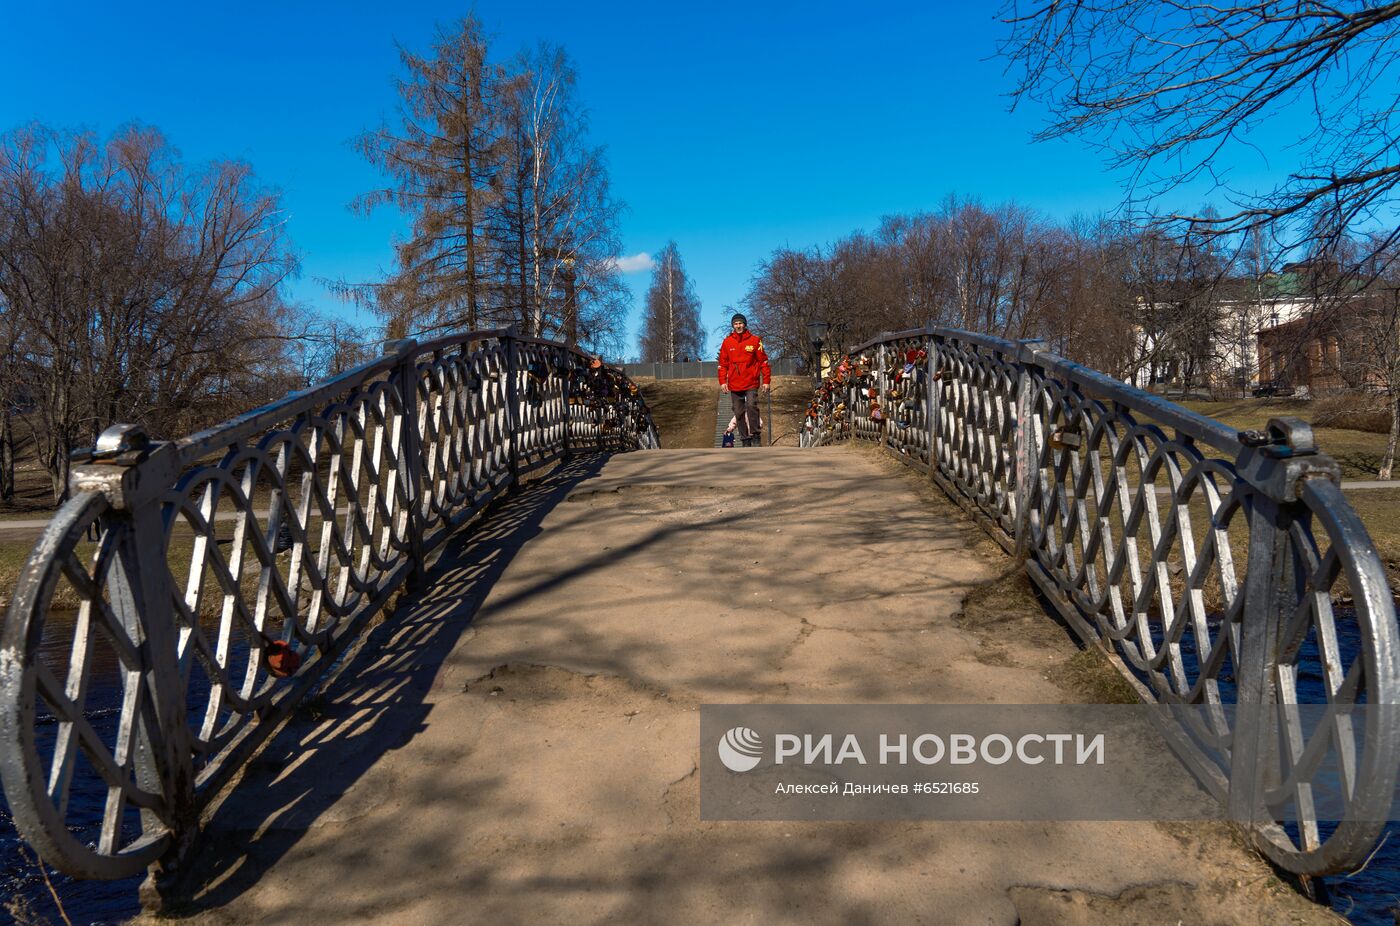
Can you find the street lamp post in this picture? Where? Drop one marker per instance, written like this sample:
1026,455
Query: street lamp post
816,332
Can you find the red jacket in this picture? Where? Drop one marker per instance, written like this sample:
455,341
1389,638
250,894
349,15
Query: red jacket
742,362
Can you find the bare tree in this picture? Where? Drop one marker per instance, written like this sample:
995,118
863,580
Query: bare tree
331,346
1142,305
1166,87
12,377
789,291
568,218
142,290
1371,353
513,217
671,322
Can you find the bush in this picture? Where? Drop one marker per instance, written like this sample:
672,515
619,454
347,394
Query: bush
1355,409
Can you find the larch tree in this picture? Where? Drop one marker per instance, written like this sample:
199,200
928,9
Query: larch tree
442,160
513,220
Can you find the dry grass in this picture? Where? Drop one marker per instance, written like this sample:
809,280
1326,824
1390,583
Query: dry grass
1380,512
683,409
1358,452
1360,411
33,489
1090,676
791,396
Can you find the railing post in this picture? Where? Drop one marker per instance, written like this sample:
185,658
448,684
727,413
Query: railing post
510,349
1268,591
1024,461
410,448
1276,463
134,473
853,398
935,395
564,415
880,390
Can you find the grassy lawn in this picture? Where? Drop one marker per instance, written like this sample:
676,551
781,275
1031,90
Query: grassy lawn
12,557
33,494
1380,511
1358,452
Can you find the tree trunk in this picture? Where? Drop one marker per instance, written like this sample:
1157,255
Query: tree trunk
7,456
58,465
473,96
570,309
1388,461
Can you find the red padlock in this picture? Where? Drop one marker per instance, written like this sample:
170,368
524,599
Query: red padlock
280,660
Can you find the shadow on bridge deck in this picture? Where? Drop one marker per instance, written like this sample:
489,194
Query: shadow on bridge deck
519,742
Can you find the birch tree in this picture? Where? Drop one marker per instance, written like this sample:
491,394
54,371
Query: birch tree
513,220
565,225
671,327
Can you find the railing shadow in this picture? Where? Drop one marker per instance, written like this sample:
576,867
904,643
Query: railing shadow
375,704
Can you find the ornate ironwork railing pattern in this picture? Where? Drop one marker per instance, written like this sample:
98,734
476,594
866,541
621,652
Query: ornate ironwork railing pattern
231,569
1225,571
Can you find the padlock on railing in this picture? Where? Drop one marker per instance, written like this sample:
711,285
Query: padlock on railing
1065,439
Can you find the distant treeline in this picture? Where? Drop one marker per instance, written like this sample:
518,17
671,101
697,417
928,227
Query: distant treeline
1114,295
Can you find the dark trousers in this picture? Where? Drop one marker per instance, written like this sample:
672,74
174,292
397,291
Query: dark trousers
745,412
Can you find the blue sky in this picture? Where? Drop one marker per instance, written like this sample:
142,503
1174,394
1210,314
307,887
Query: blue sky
733,129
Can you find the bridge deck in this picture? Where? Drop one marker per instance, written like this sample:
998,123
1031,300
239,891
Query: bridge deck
520,742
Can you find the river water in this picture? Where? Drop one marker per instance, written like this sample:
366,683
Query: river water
84,901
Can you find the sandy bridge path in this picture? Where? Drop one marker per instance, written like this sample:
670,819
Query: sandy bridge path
519,743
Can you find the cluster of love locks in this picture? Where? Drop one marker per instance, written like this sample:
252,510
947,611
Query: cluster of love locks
603,389
856,380
593,386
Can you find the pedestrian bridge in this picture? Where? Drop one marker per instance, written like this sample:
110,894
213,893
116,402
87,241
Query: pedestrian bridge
448,652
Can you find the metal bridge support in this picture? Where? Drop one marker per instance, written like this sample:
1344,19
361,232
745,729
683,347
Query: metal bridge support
409,440
1127,510
935,401
1274,584
1027,449
132,472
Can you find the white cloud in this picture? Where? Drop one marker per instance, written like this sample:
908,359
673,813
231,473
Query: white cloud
634,263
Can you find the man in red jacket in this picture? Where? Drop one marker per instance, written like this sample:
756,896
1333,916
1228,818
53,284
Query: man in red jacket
742,367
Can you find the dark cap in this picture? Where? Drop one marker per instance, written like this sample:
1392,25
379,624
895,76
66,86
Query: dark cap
738,318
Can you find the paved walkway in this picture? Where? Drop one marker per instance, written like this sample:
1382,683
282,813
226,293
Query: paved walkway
519,744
